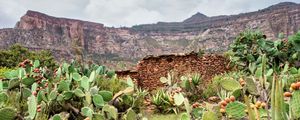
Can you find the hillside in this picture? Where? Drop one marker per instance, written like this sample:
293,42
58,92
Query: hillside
69,38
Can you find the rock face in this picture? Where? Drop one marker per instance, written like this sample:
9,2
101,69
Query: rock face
70,39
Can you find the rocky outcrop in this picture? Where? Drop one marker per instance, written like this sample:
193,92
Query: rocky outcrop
70,39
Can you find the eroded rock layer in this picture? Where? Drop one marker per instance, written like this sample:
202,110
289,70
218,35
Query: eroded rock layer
70,39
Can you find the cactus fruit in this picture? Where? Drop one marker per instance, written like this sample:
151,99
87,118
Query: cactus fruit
287,94
232,98
7,114
236,110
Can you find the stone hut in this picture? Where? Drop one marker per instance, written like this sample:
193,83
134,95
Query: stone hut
151,68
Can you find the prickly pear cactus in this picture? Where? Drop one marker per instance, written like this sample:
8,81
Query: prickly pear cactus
107,95
98,100
56,117
32,106
251,86
3,97
209,115
230,84
236,110
87,112
130,115
79,93
111,111
98,117
7,114
295,103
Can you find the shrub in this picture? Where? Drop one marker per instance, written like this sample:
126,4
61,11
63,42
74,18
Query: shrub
16,53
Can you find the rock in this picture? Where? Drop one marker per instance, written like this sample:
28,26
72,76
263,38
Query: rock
69,38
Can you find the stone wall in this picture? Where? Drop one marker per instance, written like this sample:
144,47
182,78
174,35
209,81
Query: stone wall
151,68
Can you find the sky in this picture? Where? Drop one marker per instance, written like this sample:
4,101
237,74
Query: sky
120,13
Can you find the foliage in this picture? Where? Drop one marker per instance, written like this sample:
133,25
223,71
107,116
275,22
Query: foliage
3,70
249,47
72,92
11,57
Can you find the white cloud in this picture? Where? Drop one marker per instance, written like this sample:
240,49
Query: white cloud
127,12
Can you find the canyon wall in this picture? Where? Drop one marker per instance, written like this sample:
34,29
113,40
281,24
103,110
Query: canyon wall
76,39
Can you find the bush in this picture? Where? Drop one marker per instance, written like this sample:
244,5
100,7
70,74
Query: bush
16,53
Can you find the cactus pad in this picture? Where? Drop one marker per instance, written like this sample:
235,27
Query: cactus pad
3,97
209,115
230,84
107,95
295,103
7,114
87,112
56,117
251,86
79,93
236,110
98,100
111,110
32,104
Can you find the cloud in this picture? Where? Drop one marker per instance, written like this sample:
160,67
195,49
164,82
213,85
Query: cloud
127,12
